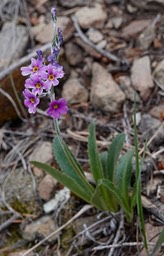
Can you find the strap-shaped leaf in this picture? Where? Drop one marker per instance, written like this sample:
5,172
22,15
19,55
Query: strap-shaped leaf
103,158
113,155
107,196
69,165
124,174
65,180
94,158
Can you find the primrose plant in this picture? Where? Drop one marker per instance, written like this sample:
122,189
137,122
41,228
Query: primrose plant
44,77
111,189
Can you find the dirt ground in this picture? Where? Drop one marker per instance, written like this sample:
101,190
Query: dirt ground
112,50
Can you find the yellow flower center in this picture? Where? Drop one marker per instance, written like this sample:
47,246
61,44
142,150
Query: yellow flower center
56,106
32,100
35,69
51,77
38,85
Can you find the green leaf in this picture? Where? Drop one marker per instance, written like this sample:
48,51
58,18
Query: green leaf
94,158
113,155
123,175
103,158
65,180
106,196
159,242
69,164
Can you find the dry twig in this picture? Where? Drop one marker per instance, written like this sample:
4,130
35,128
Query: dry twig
22,61
108,55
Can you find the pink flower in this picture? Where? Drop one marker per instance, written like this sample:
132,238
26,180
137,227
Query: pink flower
36,67
57,108
36,84
52,75
31,101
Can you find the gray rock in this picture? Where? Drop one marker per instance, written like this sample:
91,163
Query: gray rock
67,27
135,27
46,187
94,35
74,91
20,191
148,125
159,74
146,37
102,44
117,21
13,41
45,34
125,84
42,152
39,229
141,77
105,92
158,111
91,16
74,54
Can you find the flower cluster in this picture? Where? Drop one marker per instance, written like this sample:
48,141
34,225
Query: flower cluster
42,78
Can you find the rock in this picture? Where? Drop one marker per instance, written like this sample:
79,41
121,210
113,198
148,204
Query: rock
74,54
94,35
148,126
159,74
61,198
102,44
158,112
134,28
37,29
74,91
20,192
91,16
42,152
146,37
37,172
141,77
46,34
117,21
39,229
13,42
7,111
125,85
46,187
105,92
131,8
67,27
